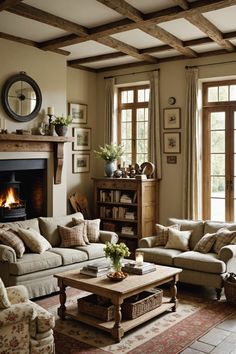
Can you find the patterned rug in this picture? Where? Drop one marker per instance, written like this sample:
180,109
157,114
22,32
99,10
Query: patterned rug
169,333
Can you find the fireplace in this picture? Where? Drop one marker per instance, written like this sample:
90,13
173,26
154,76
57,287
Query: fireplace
23,189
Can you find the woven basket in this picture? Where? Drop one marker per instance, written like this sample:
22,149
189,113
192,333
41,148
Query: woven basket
96,306
136,306
230,292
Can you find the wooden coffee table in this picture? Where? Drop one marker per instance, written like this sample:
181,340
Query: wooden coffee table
117,292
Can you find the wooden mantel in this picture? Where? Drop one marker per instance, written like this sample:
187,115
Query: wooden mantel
37,143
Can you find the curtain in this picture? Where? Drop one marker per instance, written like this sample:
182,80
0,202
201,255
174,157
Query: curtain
109,111
191,147
154,138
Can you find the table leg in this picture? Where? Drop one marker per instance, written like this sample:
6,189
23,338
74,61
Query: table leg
117,331
62,297
173,290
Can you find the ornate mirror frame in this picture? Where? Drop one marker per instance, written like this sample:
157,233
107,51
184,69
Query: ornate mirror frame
21,77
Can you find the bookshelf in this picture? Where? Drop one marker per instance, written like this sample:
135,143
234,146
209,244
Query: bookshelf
126,206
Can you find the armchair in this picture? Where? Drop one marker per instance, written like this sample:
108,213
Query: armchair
25,327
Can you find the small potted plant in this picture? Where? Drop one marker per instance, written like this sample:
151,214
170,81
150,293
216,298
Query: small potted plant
116,252
61,124
110,153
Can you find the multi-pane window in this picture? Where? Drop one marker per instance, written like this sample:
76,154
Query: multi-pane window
219,150
133,123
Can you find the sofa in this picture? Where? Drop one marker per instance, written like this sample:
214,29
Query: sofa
25,327
36,269
206,265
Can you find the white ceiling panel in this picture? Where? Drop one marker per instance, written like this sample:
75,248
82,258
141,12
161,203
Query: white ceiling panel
137,39
166,53
112,62
224,19
147,6
87,49
201,48
88,13
182,29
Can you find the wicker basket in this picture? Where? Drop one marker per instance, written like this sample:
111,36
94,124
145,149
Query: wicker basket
96,306
136,306
230,292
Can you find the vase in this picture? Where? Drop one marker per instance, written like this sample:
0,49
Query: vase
109,168
116,264
61,130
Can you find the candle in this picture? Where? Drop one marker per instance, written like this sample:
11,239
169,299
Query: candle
139,258
50,111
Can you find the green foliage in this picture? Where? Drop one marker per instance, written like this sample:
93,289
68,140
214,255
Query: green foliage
116,251
61,120
110,152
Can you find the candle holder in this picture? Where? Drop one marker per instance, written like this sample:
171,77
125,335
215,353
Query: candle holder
50,125
139,258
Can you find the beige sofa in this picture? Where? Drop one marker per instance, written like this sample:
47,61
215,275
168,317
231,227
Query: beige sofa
198,268
36,271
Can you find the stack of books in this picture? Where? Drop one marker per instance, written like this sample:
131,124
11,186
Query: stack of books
96,269
125,198
132,267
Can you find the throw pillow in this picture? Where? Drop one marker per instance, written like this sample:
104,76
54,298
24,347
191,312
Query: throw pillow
4,301
9,238
82,222
224,237
163,233
178,240
72,236
34,240
205,244
233,242
92,229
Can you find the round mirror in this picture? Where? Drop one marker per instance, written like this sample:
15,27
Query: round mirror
21,97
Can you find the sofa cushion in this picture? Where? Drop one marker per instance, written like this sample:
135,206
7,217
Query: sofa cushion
34,262
9,238
92,229
93,250
4,301
195,226
72,236
15,225
70,255
205,244
159,255
34,241
48,226
178,240
208,263
214,226
223,238
163,234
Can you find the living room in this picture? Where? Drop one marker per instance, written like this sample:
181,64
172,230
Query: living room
63,82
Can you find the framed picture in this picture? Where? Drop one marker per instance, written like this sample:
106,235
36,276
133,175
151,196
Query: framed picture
171,159
78,113
171,118
171,143
82,139
81,163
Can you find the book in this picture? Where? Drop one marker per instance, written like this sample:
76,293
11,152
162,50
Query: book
93,273
98,266
140,270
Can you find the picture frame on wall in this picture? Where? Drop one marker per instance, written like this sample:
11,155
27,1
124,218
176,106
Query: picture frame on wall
78,113
171,143
82,139
81,163
172,119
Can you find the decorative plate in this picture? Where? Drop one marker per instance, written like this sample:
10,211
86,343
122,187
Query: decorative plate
114,278
147,168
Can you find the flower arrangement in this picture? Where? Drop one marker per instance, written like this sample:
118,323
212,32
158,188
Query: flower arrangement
61,120
110,152
116,252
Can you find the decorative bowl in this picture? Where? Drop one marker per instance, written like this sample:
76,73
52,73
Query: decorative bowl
112,276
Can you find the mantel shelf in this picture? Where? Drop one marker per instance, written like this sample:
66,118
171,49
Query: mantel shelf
37,143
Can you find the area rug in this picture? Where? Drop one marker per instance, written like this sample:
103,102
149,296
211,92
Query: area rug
169,333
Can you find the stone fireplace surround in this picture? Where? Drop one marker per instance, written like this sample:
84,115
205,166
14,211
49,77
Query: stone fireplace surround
50,148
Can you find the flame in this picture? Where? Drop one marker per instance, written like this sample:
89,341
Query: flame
9,199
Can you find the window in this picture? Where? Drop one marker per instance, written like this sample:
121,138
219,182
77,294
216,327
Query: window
219,151
133,123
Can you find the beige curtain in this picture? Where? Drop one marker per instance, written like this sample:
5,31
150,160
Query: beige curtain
154,139
109,111
191,147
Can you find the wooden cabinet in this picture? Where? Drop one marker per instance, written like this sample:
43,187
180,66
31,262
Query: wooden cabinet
126,206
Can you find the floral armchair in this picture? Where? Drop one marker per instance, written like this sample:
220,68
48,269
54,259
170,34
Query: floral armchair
25,327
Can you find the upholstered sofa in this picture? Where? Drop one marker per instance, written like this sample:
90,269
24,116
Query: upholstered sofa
36,270
207,269
25,327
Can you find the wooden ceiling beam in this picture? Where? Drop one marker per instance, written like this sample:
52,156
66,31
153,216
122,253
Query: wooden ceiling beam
6,4
96,58
182,3
123,8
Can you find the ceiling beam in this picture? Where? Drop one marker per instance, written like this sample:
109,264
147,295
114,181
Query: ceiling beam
182,3
6,4
124,9
96,58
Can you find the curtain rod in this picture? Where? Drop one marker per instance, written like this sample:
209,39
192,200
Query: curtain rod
139,72
197,66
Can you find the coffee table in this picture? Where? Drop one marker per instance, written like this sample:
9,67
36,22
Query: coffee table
117,292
